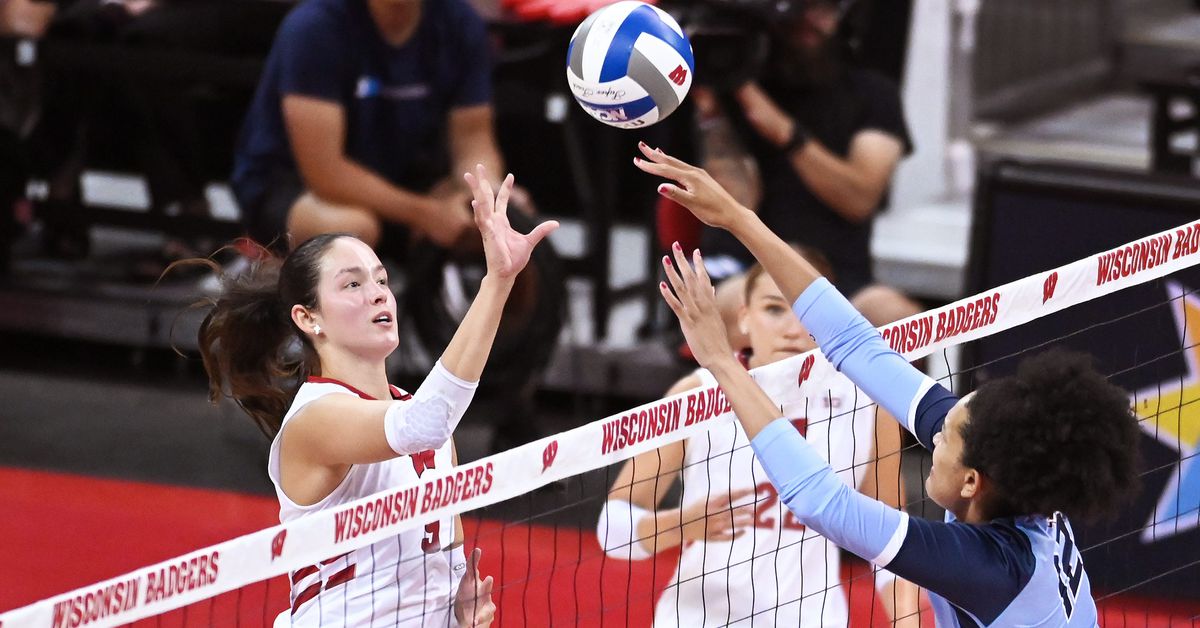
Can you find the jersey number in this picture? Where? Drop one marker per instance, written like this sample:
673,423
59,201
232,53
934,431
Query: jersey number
766,496
1068,563
339,578
432,543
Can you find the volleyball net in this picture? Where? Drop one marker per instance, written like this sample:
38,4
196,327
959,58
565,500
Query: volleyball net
534,509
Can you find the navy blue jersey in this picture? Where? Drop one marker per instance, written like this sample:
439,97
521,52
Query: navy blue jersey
396,98
1024,571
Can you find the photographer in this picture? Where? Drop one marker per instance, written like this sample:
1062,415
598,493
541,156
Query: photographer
811,142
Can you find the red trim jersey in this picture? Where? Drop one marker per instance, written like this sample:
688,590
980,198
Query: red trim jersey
402,581
779,573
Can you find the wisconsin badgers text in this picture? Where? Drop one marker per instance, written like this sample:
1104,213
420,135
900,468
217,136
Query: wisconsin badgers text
641,425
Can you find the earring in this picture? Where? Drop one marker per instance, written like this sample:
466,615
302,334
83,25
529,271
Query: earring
317,329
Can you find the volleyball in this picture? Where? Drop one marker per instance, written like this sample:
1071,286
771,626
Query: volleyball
629,64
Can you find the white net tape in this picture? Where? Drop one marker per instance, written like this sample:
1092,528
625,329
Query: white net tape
227,566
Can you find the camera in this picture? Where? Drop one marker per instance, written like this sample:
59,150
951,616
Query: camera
732,40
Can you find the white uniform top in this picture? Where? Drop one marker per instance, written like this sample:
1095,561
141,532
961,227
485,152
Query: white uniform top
779,573
388,583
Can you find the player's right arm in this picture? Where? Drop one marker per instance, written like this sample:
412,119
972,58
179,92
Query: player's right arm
884,482
316,130
855,347
338,430
980,568
324,438
632,514
846,338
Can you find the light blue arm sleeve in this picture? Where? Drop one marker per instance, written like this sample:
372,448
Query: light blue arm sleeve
979,568
855,348
822,501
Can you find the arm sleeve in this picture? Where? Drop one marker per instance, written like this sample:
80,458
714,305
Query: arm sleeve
427,420
977,568
855,348
311,58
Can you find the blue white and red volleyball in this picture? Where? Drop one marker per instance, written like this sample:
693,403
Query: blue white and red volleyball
629,64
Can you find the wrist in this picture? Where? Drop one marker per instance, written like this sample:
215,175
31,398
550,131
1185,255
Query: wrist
502,285
724,366
797,139
619,530
646,529
742,221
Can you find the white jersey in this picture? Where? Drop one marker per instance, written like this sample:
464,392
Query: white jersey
779,573
402,581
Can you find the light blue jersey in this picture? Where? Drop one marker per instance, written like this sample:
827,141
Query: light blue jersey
1024,571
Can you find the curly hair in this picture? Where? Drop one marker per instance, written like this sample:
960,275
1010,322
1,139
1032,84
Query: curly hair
1056,436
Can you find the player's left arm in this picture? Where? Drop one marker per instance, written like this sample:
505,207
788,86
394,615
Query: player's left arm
470,122
883,481
806,484
472,139
852,186
969,565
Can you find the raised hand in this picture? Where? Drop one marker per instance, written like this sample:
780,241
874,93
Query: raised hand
770,121
473,606
718,519
694,188
694,303
506,250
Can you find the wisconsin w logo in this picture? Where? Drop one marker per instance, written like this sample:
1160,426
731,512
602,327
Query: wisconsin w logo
678,76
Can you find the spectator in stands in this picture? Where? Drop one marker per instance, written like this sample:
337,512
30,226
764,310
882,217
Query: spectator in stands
366,113
18,111
811,147
25,18
149,123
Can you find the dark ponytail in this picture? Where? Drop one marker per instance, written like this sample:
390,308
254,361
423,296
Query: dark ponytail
248,340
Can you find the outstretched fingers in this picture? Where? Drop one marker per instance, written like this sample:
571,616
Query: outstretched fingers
541,231
691,292
483,611
727,500
483,200
485,587
700,275
663,165
485,186
473,563
503,195
669,297
677,295
695,277
657,156
685,268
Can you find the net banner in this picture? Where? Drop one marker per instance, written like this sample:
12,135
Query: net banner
444,492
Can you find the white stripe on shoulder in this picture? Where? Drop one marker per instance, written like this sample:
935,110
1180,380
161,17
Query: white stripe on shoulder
910,421
893,546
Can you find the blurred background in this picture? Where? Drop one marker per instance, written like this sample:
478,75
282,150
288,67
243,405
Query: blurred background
1033,123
